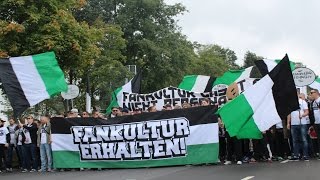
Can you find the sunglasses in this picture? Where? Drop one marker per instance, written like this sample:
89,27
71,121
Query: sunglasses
115,110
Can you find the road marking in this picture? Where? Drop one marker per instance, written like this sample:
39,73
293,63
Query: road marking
247,178
285,161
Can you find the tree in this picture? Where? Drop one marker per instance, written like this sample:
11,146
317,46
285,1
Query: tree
154,41
210,61
30,28
249,59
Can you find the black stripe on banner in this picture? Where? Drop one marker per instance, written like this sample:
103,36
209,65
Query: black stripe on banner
13,88
210,84
196,116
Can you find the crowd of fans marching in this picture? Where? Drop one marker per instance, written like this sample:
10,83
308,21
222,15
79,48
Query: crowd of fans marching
295,138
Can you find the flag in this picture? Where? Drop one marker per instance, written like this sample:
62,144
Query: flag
164,138
315,84
200,83
28,80
133,86
262,105
234,76
88,97
197,83
266,65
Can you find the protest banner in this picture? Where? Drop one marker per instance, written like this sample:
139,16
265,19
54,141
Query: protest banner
166,138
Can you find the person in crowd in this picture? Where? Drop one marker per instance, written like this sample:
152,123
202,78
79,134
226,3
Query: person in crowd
281,144
315,108
314,116
69,114
30,144
186,105
297,122
13,127
137,111
20,139
167,107
114,112
152,109
125,112
75,113
222,141
234,149
195,104
95,114
260,148
85,114
205,102
4,143
44,142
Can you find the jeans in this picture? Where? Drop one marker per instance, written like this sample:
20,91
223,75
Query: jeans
11,148
22,157
299,135
30,155
46,157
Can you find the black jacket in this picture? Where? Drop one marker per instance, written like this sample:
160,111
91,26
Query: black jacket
33,132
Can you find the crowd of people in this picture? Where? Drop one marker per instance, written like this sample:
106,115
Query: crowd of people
295,138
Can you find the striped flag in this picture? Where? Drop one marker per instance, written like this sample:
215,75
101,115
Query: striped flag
234,76
200,83
164,138
28,80
266,65
197,83
133,86
263,105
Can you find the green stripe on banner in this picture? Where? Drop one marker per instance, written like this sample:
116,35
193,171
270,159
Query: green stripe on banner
188,82
197,154
228,77
50,72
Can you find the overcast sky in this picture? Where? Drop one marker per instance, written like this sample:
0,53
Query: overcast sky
269,28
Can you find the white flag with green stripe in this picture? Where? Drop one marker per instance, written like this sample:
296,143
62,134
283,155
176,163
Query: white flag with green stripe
262,105
28,80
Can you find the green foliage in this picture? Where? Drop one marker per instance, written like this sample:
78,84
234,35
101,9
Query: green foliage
249,59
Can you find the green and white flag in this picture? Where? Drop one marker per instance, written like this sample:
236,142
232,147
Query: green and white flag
262,105
133,86
200,83
234,76
28,80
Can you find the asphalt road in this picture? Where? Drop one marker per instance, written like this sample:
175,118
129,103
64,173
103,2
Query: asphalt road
259,171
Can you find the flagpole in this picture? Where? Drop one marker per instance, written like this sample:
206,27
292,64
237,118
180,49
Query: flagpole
88,97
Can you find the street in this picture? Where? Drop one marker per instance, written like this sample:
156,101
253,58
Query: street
258,171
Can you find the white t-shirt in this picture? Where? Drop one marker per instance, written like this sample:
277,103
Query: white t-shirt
12,132
3,135
43,135
295,115
20,136
316,111
28,137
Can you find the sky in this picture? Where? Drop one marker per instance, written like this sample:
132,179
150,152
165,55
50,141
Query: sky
269,28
